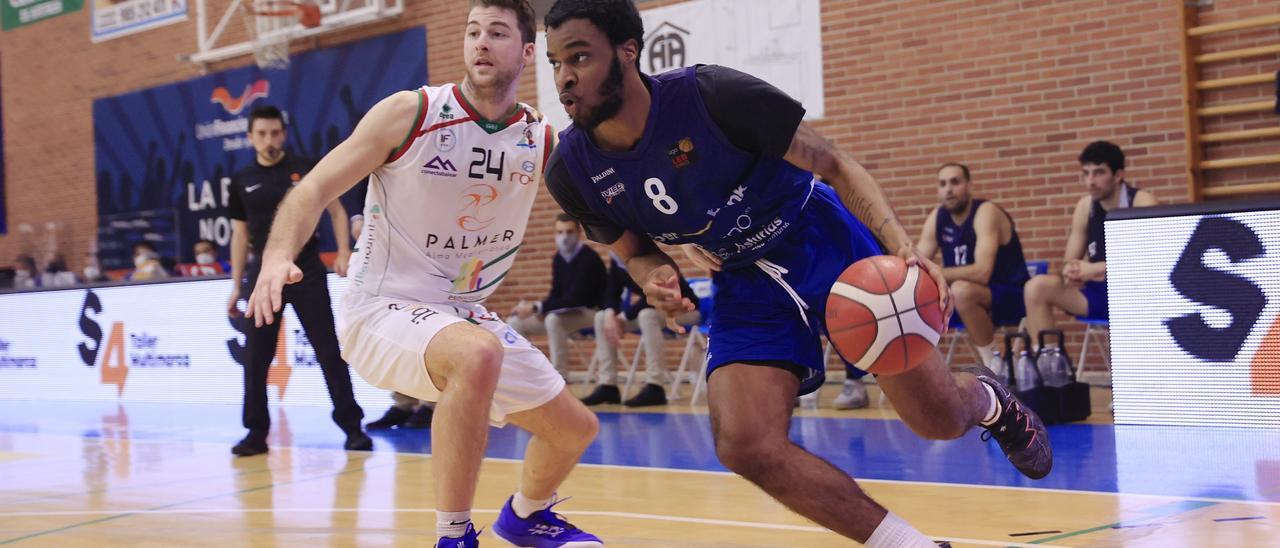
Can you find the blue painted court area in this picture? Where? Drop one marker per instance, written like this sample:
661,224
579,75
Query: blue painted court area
1233,464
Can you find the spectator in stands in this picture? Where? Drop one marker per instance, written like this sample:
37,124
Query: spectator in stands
207,263
146,263
25,274
577,289
41,264
92,272
981,257
56,273
1081,288
625,309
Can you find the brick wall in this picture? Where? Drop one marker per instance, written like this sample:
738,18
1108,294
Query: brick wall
1225,12
1013,88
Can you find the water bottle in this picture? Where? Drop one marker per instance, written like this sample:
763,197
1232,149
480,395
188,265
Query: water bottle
1001,369
1024,371
1053,364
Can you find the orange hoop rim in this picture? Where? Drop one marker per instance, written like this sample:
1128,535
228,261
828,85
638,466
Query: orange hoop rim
281,8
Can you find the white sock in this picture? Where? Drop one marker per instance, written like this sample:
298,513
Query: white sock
993,406
987,352
452,524
895,533
525,506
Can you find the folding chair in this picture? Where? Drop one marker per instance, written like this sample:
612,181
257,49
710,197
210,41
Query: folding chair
1096,329
588,334
696,342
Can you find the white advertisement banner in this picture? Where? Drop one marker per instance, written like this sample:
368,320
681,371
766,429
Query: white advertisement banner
1194,306
168,342
116,18
778,41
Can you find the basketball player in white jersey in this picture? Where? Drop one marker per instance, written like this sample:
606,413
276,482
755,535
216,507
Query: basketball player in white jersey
455,170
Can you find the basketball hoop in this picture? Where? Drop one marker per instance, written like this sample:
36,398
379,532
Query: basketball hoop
270,24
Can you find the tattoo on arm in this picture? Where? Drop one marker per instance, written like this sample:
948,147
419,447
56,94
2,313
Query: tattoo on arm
814,148
885,223
861,208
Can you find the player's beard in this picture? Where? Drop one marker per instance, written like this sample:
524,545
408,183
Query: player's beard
271,155
610,99
501,82
960,207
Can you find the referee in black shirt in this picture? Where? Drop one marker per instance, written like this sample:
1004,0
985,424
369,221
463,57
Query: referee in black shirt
255,193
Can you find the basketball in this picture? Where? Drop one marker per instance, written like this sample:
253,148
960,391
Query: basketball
883,316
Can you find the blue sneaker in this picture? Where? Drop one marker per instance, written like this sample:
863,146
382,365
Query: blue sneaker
542,529
470,539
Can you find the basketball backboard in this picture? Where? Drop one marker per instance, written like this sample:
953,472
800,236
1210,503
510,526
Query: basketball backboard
221,35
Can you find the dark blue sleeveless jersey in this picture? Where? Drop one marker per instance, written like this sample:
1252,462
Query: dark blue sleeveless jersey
686,181
1096,246
958,242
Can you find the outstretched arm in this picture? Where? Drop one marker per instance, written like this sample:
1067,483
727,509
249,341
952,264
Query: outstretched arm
369,146
860,192
862,195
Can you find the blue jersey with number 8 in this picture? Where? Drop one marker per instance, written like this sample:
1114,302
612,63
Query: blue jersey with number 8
685,181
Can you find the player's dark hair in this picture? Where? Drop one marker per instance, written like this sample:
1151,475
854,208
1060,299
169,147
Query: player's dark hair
567,218
1103,152
266,112
618,19
963,168
524,15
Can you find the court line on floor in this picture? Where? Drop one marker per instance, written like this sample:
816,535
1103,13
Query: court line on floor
622,515
1156,513
723,473
936,484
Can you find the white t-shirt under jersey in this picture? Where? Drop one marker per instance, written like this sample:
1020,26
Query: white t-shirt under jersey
445,216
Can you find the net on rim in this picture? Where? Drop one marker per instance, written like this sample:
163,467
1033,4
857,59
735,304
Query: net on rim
271,23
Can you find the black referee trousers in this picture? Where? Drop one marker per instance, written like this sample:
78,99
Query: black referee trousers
310,300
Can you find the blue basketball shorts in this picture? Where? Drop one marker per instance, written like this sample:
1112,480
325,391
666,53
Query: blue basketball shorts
775,310
1008,306
1096,294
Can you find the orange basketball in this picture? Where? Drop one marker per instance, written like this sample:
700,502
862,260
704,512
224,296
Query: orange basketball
884,317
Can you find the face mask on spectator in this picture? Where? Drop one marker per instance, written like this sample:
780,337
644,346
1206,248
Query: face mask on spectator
141,259
567,243
206,258
91,272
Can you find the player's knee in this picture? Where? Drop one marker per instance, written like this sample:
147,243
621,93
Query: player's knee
649,318
1040,289
477,362
588,428
746,453
965,294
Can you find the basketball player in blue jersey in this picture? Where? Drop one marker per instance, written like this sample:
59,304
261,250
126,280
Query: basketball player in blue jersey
1081,289
718,162
981,255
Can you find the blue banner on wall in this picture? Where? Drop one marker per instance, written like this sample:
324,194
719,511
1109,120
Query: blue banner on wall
173,148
